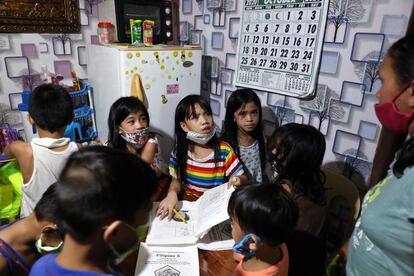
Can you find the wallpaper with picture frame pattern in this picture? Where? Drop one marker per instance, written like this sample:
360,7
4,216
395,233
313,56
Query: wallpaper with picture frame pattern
358,34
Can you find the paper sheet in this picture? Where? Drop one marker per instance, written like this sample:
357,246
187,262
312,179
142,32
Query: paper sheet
157,260
217,238
212,207
208,211
164,232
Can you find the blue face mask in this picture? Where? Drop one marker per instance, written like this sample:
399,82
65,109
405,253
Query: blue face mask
242,247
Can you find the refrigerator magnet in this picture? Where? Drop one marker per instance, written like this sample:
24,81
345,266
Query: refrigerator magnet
164,99
172,88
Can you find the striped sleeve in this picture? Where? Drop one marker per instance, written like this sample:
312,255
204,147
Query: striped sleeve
232,163
172,164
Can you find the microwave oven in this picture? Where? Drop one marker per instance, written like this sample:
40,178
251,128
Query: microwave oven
164,13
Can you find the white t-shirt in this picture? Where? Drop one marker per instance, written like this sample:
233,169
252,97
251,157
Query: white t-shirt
47,165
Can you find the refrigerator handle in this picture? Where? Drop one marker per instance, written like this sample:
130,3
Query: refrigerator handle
136,87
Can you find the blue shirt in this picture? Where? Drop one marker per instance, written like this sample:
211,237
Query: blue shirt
382,242
47,265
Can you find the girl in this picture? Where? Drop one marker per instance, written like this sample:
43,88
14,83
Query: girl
128,124
243,131
199,161
382,242
297,155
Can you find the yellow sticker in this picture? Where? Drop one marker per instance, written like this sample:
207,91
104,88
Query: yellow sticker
162,67
129,55
175,54
190,54
147,86
138,54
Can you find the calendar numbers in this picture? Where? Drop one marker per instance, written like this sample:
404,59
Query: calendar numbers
280,44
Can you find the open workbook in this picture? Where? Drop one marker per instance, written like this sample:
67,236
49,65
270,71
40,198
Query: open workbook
207,223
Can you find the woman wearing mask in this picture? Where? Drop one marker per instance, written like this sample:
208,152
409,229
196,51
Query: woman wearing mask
382,242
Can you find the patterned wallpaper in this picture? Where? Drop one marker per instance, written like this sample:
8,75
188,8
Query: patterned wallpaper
358,34
22,56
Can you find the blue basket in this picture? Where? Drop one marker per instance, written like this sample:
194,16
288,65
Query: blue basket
81,97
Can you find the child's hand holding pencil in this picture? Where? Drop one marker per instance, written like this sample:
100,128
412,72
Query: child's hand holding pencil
179,216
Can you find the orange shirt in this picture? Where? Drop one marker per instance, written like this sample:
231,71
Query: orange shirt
279,269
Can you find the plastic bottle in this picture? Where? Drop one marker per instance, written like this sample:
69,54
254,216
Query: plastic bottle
105,30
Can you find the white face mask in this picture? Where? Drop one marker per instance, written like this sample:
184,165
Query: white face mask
201,138
44,249
137,137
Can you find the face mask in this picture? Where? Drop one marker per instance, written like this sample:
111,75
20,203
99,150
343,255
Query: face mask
44,249
242,247
121,256
391,118
137,137
201,138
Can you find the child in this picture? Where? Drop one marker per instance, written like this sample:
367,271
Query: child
41,161
24,241
262,218
101,208
298,152
244,133
199,161
128,124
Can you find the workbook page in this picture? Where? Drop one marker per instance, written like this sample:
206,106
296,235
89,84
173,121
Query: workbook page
175,231
158,260
212,208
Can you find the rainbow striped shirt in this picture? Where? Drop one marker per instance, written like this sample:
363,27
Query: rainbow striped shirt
207,173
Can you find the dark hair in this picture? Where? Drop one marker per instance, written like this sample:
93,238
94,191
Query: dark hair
99,184
186,109
120,109
47,207
402,56
266,210
51,107
300,151
238,99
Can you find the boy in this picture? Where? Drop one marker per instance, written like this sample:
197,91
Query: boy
103,196
21,241
41,161
262,217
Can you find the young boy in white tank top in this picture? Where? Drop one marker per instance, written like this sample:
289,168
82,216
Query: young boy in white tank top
42,160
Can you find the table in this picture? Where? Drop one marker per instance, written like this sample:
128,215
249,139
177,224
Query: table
217,263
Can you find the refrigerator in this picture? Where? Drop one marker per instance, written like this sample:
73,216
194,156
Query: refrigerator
159,76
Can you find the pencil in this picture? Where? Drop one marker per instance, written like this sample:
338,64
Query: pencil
179,215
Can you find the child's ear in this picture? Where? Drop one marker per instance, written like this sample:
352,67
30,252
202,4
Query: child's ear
184,126
110,231
30,119
50,234
253,243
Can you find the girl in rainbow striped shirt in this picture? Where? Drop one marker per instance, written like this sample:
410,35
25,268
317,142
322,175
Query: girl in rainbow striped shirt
199,161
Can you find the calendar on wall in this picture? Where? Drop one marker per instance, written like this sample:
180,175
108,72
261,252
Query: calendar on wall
280,45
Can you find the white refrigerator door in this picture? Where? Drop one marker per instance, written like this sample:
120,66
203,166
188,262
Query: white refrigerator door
105,78
167,76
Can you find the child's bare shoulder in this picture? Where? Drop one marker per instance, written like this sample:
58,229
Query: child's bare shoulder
19,149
